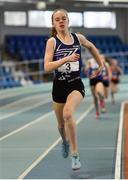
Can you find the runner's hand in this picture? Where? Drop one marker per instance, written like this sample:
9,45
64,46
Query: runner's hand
96,73
73,57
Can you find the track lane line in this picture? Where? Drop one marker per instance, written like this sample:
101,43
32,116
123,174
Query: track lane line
119,144
25,109
26,126
24,90
24,99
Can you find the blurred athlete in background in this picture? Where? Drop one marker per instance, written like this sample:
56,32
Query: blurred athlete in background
96,85
115,78
106,73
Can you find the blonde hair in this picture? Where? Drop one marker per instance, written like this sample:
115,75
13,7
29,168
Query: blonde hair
53,30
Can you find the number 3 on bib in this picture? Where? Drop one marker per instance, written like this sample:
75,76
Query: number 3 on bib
68,67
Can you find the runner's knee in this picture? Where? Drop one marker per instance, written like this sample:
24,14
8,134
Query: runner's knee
67,115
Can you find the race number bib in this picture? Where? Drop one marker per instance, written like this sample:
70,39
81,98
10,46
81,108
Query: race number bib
69,66
104,72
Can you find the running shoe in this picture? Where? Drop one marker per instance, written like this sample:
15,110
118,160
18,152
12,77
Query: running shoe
102,103
97,115
102,106
76,164
65,149
103,110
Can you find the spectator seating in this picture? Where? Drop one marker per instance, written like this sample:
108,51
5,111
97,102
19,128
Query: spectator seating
25,47
29,47
108,44
7,80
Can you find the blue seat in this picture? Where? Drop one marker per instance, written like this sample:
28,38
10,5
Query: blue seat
4,83
16,45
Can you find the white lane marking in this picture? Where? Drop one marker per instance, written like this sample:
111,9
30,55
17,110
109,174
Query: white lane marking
26,126
84,114
25,109
42,156
8,93
119,144
58,148
24,99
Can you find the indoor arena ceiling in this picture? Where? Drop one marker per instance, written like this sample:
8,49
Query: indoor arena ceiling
43,4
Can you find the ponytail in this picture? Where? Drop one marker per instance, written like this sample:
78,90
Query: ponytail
53,32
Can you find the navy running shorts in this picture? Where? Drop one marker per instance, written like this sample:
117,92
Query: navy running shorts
106,83
94,81
61,89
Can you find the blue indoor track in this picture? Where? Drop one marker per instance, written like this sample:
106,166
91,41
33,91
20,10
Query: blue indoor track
30,145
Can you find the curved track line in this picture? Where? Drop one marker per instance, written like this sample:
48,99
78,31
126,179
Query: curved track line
119,144
25,126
